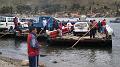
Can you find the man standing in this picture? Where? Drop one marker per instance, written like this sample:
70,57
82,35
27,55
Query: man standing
103,26
92,28
33,48
15,20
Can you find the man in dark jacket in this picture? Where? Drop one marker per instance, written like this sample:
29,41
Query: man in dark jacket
92,28
33,48
15,20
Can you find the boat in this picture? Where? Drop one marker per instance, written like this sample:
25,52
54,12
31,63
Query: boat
117,20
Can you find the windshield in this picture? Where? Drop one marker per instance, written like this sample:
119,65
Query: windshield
81,25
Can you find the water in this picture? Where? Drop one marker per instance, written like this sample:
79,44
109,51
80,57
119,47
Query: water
116,45
67,57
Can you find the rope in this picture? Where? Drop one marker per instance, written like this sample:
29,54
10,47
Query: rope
83,36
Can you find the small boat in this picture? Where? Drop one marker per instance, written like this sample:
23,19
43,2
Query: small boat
117,20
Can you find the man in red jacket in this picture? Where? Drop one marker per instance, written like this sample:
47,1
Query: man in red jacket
103,26
33,48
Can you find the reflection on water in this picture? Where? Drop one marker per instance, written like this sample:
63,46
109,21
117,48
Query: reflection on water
80,57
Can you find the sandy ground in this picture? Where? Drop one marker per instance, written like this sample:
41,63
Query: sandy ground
8,62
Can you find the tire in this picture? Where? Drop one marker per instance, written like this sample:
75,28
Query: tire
74,34
109,37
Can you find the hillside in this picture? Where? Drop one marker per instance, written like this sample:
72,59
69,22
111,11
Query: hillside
53,6
67,2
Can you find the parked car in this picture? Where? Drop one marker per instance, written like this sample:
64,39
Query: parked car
80,28
6,23
24,21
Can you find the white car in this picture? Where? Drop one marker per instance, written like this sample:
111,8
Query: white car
24,22
81,28
6,23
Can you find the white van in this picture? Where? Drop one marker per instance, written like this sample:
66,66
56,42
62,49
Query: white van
6,23
81,28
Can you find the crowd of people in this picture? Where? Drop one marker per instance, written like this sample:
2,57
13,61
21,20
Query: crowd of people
97,27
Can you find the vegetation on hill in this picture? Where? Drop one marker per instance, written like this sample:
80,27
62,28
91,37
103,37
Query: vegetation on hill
111,7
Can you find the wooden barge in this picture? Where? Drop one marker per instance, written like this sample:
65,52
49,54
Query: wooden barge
68,40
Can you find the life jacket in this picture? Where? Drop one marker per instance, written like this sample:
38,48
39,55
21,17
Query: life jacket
31,51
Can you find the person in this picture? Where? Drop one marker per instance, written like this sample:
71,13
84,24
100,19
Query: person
18,29
60,28
33,48
11,30
30,25
44,22
15,20
103,26
44,25
95,24
92,29
69,25
99,27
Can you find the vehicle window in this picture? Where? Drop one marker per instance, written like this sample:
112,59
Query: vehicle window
84,24
35,20
22,20
81,25
31,20
10,19
2,19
